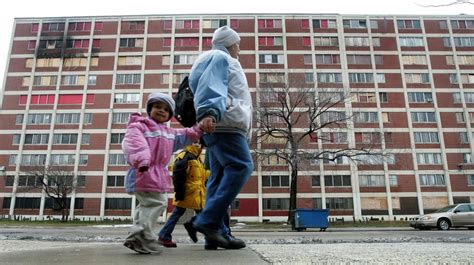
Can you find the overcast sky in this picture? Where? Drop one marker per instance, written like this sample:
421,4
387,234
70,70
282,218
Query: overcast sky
54,8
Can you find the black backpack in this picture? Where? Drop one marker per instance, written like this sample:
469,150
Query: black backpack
185,112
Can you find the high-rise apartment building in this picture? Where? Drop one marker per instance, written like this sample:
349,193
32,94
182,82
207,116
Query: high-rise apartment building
71,83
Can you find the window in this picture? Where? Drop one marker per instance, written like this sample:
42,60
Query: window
270,41
334,137
363,97
176,78
324,23
330,96
329,77
365,117
16,139
465,59
463,138
467,158
37,138
19,119
129,60
275,181
185,59
421,78
37,99
120,118
79,26
372,180
393,179
432,180
269,23
74,99
411,41
429,159
308,78
75,62
326,41
358,59
465,78
276,204
128,79
127,98
27,181
339,203
116,181
383,97
45,80
332,159
131,42
136,25
272,78
77,44
72,118
367,137
462,24
66,160
315,181
408,24
44,62
117,159
460,117
375,159
464,41
355,23
73,80
92,80
32,160
333,117
235,205
423,117
420,97
273,160
187,24
118,203
65,138
39,118
186,42
48,44
117,138
361,78
426,137
86,138
470,180
53,27
213,23
271,58
13,160
414,60
327,59
357,41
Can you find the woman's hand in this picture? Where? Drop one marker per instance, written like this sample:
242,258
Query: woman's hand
208,124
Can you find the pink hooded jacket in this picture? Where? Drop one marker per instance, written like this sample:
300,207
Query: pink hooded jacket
151,144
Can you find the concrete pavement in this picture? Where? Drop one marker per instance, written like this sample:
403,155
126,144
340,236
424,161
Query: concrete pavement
42,252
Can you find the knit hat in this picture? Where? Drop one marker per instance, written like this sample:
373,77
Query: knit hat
157,97
225,36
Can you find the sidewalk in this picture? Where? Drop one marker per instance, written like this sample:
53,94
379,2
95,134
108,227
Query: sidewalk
115,253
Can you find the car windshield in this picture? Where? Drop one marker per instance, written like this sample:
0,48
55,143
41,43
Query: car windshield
445,209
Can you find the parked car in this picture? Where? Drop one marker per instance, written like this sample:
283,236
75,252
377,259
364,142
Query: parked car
456,215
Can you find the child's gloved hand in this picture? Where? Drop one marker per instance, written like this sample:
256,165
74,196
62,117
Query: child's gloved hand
143,169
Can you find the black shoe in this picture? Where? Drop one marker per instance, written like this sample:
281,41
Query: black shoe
191,231
219,240
210,246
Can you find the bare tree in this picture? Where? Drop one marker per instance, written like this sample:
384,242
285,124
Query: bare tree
287,118
451,3
56,182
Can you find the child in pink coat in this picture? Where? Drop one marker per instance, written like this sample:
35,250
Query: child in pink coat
148,145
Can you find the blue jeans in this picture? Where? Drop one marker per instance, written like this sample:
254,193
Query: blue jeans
231,165
168,228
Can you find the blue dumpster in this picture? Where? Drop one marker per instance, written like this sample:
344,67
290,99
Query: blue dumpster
311,218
